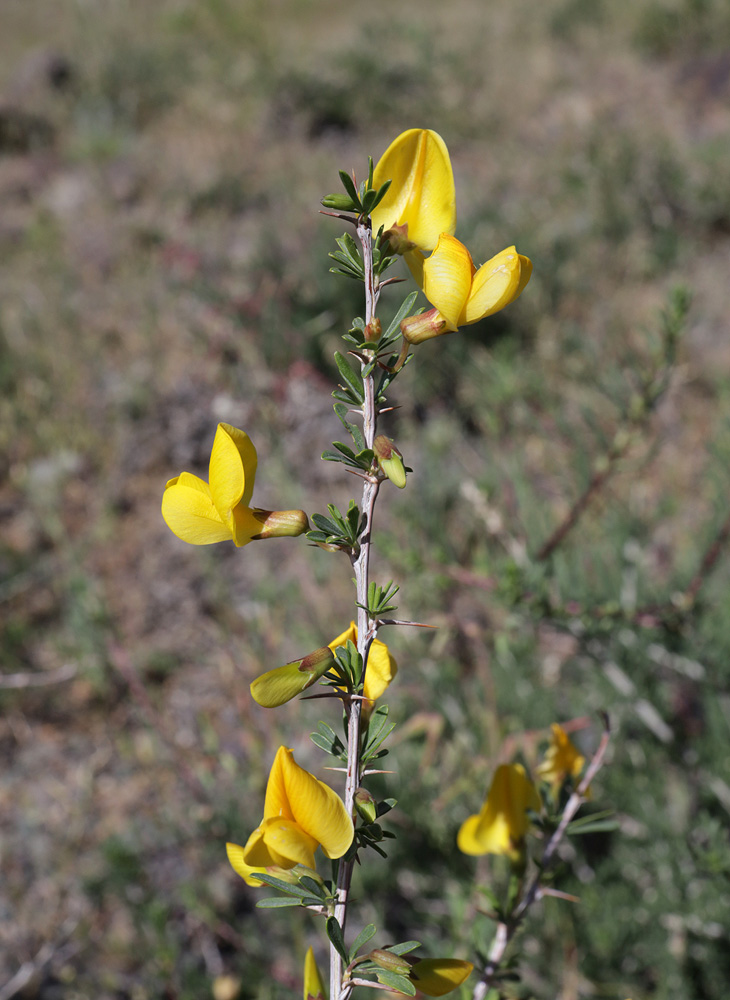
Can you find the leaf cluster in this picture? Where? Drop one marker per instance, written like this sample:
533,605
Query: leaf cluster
341,530
362,199
379,599
308,891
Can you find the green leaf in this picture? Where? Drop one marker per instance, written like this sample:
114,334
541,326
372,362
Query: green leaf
405,310
352,378
307,882
334,933
404,947
354,430
363,937
599,826
349,186
276,903
396,982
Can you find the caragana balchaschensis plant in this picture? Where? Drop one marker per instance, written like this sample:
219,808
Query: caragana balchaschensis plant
405,206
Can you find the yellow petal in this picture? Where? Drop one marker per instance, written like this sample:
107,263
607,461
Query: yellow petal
381,670
313,985
422,193
447,279
244,524
189,512
232,470
438,976
341,640
288,844
495,285
503,821
315,807
525,273
247,873
277,800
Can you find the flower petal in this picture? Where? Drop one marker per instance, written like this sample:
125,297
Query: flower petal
313,985
447,279
316,808
495,285
279,842
232,470
341,640
437,976
247,873
276,802
381,669
422,193
189,513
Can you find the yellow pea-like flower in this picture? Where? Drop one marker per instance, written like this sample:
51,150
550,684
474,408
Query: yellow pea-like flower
381,666
420,203
460,292
501,825
313,985
217,511
438,976
301,813
562,760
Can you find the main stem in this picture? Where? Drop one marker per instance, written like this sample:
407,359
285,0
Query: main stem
366,628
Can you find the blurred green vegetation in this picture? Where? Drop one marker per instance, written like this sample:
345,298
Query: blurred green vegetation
165,268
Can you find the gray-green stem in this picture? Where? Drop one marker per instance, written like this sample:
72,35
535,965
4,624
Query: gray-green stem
366,629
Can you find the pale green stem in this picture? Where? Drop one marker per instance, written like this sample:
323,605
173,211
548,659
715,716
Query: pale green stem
366,629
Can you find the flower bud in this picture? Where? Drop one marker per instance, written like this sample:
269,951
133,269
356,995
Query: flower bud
398,242
281,523
390,460
366,806
374,330
416,329
340,203
388,960
281,684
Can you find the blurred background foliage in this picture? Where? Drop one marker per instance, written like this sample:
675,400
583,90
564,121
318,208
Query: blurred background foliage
164,267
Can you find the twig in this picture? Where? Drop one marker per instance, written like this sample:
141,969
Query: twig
506,929
19,681
366,629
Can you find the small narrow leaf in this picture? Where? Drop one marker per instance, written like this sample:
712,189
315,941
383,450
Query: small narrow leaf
334,933
363,937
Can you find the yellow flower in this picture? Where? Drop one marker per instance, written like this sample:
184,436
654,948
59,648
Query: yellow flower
437,976
301,813
562,760
381,666
217,511
461,293
313,985
501,825
421,201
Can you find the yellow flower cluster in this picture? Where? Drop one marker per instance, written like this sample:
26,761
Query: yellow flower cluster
418,214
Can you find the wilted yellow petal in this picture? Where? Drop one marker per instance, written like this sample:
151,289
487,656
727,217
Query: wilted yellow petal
189,512
313,985
232,470
315,807
447,278
422,193
281,684
438,976
562,759
495,285
247,873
